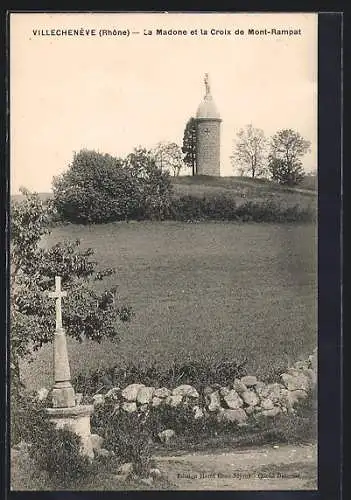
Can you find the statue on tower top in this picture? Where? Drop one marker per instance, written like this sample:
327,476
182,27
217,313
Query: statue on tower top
207,84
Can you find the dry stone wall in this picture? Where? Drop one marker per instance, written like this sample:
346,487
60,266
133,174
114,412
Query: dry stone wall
232,403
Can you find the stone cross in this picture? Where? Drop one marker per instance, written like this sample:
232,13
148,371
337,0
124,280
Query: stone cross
63,395
58,294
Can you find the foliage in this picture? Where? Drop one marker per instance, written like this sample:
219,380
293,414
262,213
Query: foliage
192,208
198,373
250,151
57,452
189,144
54,451
287,149
168,155
181,419
127,435
95,188
99,188
297,427
153,185
86,313
289,174
289,145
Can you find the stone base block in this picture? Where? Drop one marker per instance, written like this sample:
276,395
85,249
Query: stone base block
76,419
63,397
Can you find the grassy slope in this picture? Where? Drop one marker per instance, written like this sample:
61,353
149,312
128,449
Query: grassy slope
240,188
213,288
244,189
236,290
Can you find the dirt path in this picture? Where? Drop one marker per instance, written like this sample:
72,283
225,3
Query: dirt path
265,468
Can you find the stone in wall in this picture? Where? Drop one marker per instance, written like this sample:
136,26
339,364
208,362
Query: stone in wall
259,387
144,395
156,401
214,403
233,400
131,391
129,407
272,391
239,386
224,391
267,404
113,393
292,397
295,380
250,398
174,400
249,380
185,390
162,392
198,412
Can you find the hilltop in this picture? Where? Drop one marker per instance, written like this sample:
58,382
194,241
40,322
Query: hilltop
246,189
240,188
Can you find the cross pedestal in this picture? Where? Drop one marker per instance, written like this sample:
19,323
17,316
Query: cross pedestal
77,420
65,412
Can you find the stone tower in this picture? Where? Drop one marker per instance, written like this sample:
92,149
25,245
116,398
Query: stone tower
208,135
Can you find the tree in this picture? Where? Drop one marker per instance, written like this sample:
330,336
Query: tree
189,144
153,185
250,151
289,145
289,174
287,149
87,312
99,188
95,188
168,155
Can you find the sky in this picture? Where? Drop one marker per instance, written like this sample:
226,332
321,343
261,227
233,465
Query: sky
113,93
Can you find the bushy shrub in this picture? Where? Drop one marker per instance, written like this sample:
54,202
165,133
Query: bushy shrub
288,173
153,185
95,188
125,434
23,414
192,208
99,188
54,451
58,453
181,419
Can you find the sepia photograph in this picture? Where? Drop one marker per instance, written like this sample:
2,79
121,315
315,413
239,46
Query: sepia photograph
163,251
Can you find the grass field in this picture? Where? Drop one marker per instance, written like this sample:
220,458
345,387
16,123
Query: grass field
222,289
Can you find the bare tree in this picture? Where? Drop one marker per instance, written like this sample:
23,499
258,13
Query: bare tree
250,151
168,156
